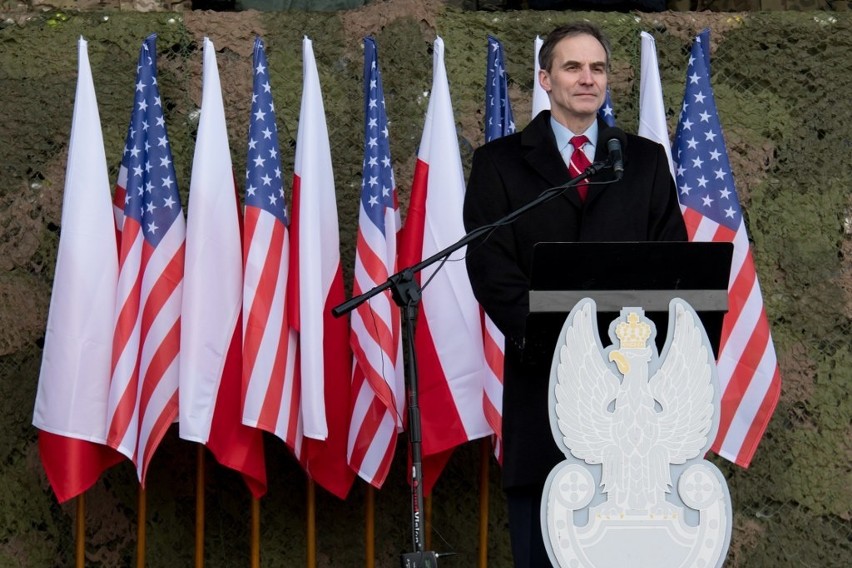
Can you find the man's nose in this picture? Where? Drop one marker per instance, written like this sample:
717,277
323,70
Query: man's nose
586,74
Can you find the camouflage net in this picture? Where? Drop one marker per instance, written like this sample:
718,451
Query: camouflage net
781,82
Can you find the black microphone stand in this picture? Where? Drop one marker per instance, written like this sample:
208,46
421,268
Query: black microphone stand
407,293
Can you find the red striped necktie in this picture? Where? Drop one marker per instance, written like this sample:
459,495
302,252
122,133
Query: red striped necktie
579,163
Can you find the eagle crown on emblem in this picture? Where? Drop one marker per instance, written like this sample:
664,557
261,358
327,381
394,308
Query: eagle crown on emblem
633,334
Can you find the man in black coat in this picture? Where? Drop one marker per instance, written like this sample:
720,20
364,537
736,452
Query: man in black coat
510,172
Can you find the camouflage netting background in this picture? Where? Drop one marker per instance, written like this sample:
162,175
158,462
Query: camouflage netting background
782,83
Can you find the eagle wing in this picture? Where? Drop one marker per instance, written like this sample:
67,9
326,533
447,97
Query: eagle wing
585,387
683,386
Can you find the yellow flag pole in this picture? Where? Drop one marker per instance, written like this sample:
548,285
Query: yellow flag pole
370,527
199,508
255,532
80,532
484,467
312,524
141,516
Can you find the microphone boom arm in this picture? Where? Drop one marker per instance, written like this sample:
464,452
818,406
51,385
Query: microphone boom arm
395,279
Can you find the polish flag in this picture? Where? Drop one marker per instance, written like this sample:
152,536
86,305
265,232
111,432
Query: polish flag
211,332
449,341
324,360
73,386
652,110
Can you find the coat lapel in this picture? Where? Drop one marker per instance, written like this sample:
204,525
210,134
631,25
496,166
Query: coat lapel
543,156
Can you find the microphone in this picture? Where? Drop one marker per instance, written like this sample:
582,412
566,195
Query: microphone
616,141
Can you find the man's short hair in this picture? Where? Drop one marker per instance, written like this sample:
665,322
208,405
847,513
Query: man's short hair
545,54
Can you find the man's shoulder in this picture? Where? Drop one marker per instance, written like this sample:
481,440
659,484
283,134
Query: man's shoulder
533,134
498,145
641,144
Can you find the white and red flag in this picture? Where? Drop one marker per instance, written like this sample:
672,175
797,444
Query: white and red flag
146,344
652,109
270,392
449,341
211,334
748,369
378,383
540,100
73,387
315,286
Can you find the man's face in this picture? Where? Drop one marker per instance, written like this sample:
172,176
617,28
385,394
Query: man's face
576,81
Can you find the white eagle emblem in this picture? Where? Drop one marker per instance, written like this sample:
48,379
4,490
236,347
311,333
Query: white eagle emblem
628,440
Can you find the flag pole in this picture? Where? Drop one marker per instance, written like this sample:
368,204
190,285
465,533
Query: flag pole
80,532
484,468
255,532
312,524
370,527
199,508
140,527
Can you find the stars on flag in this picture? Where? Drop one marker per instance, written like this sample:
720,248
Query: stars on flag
607,112
498,114
151,192
264,182
702,168
377,182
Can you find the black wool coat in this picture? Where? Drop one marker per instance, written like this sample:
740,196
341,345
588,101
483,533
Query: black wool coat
508,173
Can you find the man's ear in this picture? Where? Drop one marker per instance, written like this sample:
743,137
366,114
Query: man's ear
544,80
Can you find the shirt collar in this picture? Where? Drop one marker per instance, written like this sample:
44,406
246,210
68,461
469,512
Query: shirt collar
563,138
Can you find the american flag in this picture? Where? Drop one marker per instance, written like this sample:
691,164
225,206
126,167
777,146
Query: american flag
748,369
499,122
270,394
143,398
377,375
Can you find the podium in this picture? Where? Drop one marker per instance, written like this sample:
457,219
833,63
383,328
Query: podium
633,423
615,275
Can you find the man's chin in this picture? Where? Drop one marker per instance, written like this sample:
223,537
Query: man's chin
587,106
587,113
